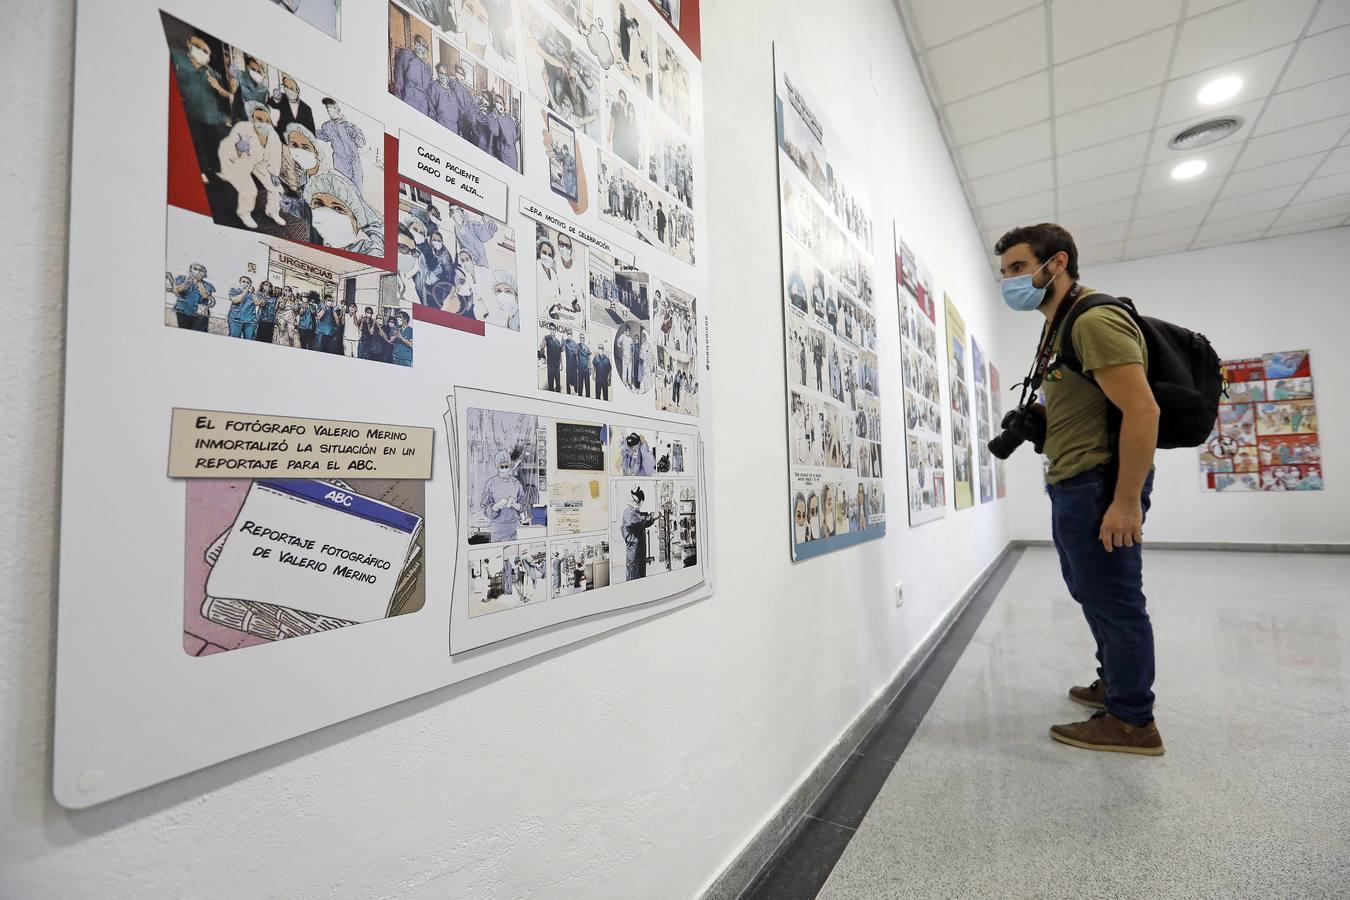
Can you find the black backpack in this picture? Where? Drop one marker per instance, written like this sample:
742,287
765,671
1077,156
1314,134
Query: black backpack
1183,370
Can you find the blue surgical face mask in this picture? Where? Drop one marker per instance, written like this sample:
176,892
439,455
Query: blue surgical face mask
1019,292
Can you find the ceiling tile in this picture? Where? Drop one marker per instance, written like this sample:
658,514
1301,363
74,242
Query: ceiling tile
1239,30
1082,26
1178,196
1293,142
1167,242
1236,227
1289,109
1014,105
1116,118
1197,7
1033,179
939,21
1007,151
1301,227
1291,171
1337,160
1258,73
1168,221
1122,185
1222,240
1321,188
1113,72
1090,237
1158,176
1317,209
1332,14
1160,152
1100,254
1318,58
1010,50
1024,210
1104,159
1261,201
1114,213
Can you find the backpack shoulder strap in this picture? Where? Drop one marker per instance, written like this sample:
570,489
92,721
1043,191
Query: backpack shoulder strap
1068,356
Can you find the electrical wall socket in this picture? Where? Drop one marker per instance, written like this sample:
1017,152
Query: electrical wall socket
899,593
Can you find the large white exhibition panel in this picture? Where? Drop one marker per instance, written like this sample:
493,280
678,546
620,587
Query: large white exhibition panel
370,498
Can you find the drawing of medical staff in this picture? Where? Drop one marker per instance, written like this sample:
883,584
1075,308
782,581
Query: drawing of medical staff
504,500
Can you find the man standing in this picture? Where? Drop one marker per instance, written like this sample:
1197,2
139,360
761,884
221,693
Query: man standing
346,139
583,367
603,369
195,296
635,525
1100,480
553,350
660,222
205,98
241,305
412,75
267,313
570,351
290,108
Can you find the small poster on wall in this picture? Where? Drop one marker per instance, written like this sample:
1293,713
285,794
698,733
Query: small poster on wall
925,455
982,419
1265,438
960,400
996,407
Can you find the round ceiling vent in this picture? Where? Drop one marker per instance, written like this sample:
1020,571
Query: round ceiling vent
1205,133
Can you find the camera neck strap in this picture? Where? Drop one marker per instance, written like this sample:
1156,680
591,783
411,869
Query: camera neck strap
1032,383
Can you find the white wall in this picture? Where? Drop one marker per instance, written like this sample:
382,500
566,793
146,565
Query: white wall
1286,293
634,765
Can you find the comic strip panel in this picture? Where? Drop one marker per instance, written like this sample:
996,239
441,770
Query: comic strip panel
657,526
236,284
325,15
270,560
676,330
563,74
507,478
633,356
578,495
633,453
448,84
456,259
277,155
674,84
671,165
576,359
631,203
579,565
560,277
617,294
630,40
509,577
626,126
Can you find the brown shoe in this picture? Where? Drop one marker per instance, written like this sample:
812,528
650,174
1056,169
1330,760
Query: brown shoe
1105,732
1093,696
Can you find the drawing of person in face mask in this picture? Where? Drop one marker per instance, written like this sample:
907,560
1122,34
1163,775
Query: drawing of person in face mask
251,155
799,518
341,216
504,501
346,139
412,76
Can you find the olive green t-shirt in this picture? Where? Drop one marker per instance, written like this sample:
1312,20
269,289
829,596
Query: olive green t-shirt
1078,437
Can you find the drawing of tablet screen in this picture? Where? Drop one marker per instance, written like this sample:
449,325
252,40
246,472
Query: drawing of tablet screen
562,158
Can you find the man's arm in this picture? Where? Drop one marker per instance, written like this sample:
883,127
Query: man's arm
1128,389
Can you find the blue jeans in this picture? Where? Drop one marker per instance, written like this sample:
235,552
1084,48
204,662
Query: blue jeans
1110,589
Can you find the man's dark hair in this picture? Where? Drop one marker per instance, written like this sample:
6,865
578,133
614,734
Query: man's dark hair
1046,239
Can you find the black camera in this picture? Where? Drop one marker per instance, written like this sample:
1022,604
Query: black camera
1026,423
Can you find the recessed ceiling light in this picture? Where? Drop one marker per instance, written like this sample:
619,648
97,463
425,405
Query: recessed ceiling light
1219,90
1189,169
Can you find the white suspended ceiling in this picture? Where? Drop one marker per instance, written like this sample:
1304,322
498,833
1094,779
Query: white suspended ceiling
1061,110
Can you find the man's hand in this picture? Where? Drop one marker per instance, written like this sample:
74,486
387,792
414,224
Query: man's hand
1122,526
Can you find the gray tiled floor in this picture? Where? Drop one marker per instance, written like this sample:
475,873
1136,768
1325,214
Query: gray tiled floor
1251,800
